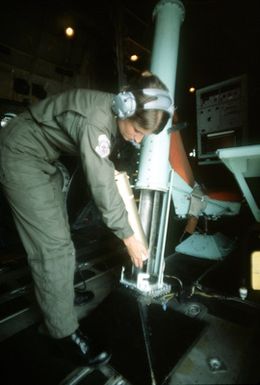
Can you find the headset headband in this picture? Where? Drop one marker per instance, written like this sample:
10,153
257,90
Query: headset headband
163,101
124,103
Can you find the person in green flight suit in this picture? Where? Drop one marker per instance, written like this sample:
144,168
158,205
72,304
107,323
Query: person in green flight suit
79,122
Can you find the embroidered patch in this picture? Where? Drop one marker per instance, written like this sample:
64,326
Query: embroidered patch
103,147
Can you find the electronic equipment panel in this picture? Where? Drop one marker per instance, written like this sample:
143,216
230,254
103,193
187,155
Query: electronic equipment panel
222,117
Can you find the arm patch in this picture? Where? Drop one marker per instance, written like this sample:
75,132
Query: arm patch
103,147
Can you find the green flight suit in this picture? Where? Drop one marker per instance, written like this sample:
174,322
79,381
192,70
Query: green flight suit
76,122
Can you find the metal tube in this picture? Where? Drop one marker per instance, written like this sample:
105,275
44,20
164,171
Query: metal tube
154,230
146,207
163,234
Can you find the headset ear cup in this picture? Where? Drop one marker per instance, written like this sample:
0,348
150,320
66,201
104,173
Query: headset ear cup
124,105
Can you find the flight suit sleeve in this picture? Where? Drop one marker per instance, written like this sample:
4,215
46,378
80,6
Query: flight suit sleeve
100,171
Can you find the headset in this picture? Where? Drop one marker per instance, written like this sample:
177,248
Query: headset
124,103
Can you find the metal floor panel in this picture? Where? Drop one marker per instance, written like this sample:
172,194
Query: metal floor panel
146,341
219,357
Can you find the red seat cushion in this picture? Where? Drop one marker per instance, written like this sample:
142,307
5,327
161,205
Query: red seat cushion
230,196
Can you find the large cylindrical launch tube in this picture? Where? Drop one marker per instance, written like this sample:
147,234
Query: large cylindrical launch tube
154,168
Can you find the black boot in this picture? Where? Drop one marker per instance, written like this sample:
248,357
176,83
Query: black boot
83,297
77,348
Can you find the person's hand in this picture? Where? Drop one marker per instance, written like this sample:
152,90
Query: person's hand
136,250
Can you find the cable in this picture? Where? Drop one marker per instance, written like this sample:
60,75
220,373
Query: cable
198,290
177,279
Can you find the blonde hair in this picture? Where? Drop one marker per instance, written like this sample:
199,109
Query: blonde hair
153,120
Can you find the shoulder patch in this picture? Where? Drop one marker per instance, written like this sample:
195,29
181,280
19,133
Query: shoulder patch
103,147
